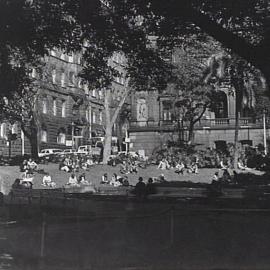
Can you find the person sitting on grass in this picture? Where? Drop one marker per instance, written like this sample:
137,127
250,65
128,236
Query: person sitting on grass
124,168
47,181
65,166
32,165
133,167
180,167
72,181
115,180
193,168
82,180
104,179
215,178
125,181
17,184
163,164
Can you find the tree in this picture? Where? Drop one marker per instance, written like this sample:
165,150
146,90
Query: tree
193,93
22,109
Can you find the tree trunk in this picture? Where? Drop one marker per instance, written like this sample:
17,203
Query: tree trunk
107,144
190,133
108,127
111,120
236,138
34,142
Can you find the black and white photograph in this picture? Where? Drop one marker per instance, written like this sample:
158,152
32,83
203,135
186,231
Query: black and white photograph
134,135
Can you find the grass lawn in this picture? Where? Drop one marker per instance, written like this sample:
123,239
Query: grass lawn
9,173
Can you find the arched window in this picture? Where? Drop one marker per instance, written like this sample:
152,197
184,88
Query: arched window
43,133
14,129
221,105
44,105
167,111
3,131
61,136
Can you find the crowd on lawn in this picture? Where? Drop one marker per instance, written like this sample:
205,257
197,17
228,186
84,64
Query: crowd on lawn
128,164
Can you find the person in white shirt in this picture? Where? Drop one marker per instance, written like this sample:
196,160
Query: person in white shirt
47,181
163,164
72,181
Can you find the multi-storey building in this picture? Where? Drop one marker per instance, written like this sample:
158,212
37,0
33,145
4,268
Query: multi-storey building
68,110
154,123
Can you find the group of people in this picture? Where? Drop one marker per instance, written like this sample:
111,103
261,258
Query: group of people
27,168
179,166
75,163
129,167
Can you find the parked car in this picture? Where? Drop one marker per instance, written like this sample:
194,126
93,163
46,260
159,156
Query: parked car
68,151
89,149
48,152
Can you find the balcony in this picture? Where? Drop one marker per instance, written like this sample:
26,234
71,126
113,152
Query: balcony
217,123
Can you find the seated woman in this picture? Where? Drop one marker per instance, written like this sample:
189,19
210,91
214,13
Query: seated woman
82,180
47,181
72,181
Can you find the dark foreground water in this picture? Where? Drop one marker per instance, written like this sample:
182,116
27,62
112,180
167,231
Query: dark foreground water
156,239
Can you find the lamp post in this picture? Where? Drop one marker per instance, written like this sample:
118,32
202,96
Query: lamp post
72,134
264,132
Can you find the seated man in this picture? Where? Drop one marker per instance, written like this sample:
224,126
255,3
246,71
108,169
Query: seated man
163,164
180,167
27,181
47,181
115,180
124,167
104,179
32,165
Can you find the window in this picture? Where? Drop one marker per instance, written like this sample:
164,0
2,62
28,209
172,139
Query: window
14,129
63,79
54,107
44,137
53,53
101,94
70,57
100,117
94,93
63,56
54,76
44,105
3,131
34,73
79,60
61,137
94,117
71,78
86,89
79,83
63,109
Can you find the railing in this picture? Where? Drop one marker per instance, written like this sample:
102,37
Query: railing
248,122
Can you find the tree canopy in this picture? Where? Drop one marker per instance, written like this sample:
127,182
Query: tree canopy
29,29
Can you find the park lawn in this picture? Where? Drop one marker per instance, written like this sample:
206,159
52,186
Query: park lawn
9,173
